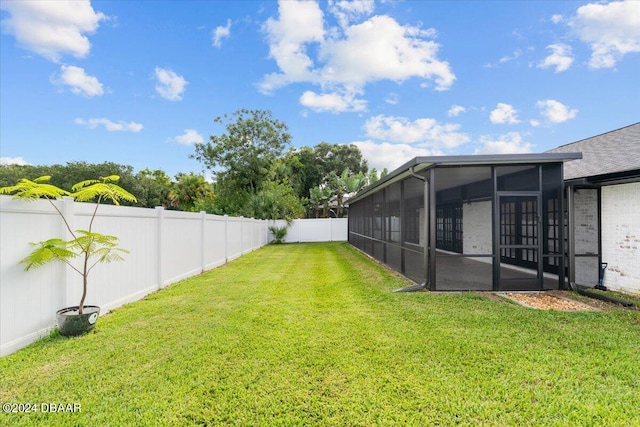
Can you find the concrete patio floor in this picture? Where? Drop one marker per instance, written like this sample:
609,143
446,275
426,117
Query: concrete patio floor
455,273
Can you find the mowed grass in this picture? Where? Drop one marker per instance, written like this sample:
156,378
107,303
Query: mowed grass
310,334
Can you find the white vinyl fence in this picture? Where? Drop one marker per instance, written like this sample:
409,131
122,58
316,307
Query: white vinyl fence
314,230
164,247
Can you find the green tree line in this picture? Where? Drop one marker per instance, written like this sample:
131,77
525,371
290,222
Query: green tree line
256,173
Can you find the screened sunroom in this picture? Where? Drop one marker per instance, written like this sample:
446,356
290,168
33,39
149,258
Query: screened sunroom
484,222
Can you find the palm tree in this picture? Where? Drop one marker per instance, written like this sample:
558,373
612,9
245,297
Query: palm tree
345,184
320,196
315,197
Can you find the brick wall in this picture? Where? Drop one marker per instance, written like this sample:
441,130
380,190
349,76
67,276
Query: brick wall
476,229
586,232
621,236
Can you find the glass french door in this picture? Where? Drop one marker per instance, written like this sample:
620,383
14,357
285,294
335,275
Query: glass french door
519,243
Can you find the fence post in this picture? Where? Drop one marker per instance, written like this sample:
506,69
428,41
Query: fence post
330,229
241,235
226,239
203,218
253,226
160,213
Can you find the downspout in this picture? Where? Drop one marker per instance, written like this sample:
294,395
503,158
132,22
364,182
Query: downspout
426,284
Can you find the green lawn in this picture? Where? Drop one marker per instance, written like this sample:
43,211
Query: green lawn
310,334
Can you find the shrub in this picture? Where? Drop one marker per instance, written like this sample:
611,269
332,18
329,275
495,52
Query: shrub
278,233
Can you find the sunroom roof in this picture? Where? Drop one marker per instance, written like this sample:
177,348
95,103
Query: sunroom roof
418,164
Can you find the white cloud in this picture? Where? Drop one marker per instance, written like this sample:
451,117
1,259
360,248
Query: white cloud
391,156
504,113
455,110
170,85
556,19
4,161
507,58
426,132
560,57
189,137
555,111
350,57
534,123
299,23
612,30
348,11
392,98
52,28
511,143
221,33
79,82
333,102
516,54
110,126
396,140
382,49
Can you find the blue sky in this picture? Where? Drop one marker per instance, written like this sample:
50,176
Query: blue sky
139,82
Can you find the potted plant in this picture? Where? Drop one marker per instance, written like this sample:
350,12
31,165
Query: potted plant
90,247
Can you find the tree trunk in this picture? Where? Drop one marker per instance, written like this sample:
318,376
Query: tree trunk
84,284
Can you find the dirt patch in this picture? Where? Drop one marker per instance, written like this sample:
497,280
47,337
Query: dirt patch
547,301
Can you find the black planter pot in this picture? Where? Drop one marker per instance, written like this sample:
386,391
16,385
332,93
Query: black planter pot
70,323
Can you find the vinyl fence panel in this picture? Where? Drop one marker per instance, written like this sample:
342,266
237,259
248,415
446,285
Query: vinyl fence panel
314,230
26,298
164,247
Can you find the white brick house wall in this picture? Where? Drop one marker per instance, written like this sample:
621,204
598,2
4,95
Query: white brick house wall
620,221
621,236
586,235
476,229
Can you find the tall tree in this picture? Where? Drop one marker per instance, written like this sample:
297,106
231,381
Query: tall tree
306,170
65,176
345,184
188,190
276,200
242,156
10,174
312,166
152,188
338,157
320,197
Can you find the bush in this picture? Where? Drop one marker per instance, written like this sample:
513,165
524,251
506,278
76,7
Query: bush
278,233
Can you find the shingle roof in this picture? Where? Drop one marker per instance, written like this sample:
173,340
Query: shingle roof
611,152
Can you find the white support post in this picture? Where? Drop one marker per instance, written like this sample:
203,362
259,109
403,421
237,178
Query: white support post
159,257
